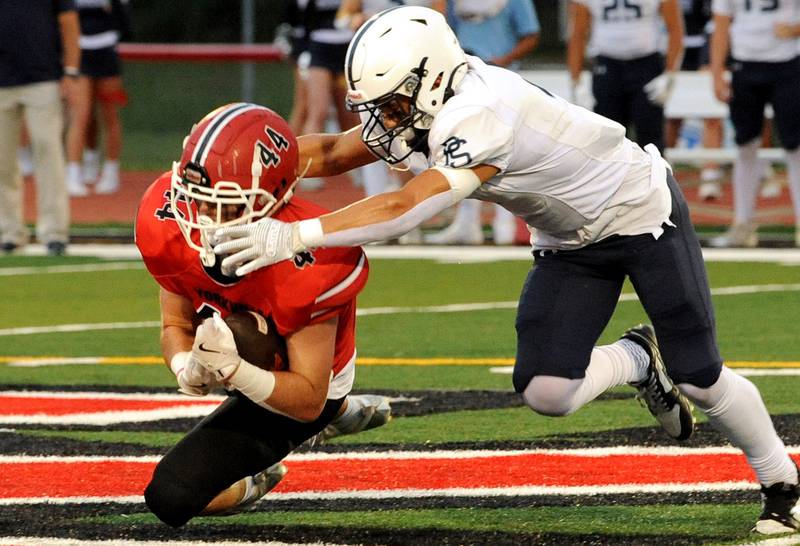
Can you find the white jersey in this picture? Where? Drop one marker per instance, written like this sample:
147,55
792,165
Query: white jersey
752,33
569,173
625,29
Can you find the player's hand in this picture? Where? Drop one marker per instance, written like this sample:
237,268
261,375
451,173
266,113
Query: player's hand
581,93
193,379
722,88
215,349
659,88
252,246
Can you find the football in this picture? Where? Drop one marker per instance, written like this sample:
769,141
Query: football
258,341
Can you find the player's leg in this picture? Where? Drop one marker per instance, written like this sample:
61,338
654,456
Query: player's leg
566,302
110,95
239,439
748,98
669,277
609,94
787,122
647,117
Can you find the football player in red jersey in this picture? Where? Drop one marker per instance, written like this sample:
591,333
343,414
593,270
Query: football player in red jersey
240,163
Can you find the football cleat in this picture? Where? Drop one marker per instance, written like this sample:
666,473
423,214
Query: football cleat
780,509
657,392
371,411
257,486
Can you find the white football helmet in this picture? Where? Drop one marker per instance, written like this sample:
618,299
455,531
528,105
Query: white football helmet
406,51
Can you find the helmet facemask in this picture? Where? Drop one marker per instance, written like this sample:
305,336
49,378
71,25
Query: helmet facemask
410,124
200,208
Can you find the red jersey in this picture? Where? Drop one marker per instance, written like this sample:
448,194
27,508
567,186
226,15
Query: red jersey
313,287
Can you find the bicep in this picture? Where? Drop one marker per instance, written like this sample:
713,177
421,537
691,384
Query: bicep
311,351
176,310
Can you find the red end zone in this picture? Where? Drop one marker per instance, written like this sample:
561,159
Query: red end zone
36,478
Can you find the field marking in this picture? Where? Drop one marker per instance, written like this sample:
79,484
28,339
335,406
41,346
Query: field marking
75,268
448,254
390,310
500,365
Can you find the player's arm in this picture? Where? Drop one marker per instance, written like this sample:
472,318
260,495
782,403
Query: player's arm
177,336
377,218
581,22
331,154
673,21
70,31
177,333
720,41
299,392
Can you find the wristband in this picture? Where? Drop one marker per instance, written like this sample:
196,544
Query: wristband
310,232
72,71
253,382
179,362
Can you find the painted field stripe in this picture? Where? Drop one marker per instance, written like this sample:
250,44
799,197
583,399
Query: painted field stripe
502,364
370,311
76,268
497,473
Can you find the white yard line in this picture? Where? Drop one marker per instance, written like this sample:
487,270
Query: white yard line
451,254
76,268
369,311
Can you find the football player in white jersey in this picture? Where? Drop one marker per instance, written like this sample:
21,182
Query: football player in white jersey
762,38
600,210
631,79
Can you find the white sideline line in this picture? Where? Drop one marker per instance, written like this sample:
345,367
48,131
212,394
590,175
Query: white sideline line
369,311
77,268
450,254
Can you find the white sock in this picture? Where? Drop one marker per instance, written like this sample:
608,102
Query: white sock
110,168
91,156
74,173
793,172
734,407
614,365
747,170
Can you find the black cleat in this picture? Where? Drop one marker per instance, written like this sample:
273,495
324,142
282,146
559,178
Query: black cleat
781,510
671,408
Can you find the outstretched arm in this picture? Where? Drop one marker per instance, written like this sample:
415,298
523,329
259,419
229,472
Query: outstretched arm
375,218
331,154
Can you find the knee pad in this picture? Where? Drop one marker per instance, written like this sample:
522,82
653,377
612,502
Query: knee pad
551,396
170,500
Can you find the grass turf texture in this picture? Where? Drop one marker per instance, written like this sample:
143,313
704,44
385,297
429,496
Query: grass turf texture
751,327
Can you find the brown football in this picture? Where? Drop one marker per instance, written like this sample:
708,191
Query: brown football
258,341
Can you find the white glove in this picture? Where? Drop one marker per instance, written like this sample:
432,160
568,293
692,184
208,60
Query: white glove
215,349
193,379
257,245
581,93
659,88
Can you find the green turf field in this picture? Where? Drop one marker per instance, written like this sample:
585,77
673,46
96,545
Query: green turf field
758,325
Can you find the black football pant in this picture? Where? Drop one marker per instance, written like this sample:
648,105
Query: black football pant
618,89
239,439
569,297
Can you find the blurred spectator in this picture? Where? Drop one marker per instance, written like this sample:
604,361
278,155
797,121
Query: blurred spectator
500,32
327,46
762,37
697,23
292,37
99,92
631,78
40,64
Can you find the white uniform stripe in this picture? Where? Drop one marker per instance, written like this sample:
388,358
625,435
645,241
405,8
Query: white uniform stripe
212,130
350,279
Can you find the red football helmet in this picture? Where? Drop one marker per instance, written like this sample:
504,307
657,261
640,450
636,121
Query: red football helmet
239,164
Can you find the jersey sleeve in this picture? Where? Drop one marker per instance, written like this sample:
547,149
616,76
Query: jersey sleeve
524,18
469,136
316,286
158,238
